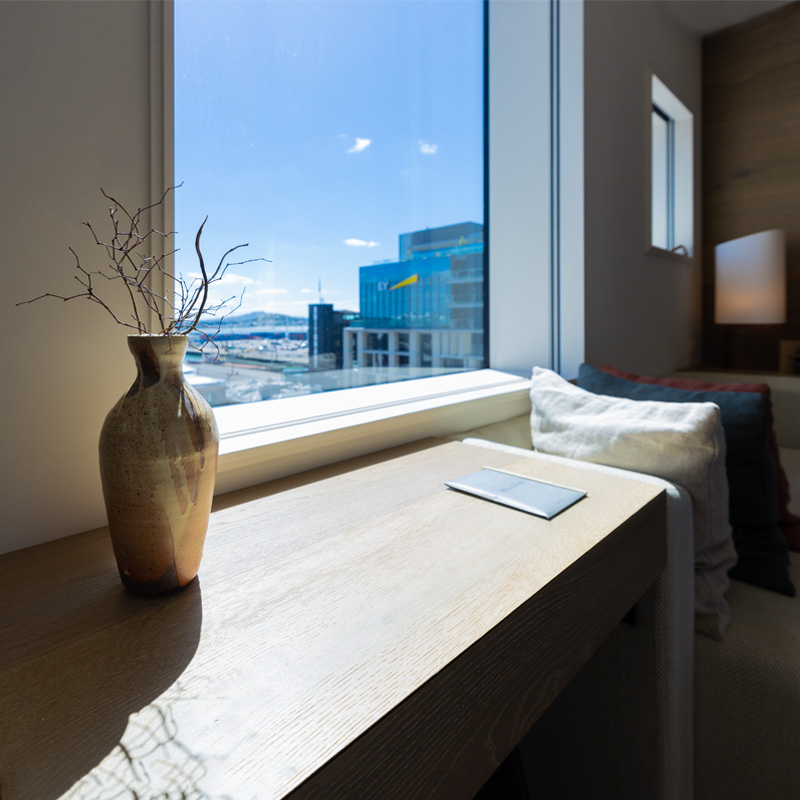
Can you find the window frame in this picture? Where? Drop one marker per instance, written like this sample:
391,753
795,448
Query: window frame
669,174
679,171
270,439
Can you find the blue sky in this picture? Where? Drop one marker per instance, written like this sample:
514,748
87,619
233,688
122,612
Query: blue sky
318,131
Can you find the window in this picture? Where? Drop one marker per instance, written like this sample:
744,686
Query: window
533,55
345,142
671,183
663,180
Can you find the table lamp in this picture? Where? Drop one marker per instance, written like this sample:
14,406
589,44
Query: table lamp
751,280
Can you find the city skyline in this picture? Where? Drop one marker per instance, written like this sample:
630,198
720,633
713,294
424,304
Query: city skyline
421,315
377,130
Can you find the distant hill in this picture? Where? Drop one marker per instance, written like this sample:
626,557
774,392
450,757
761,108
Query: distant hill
257,319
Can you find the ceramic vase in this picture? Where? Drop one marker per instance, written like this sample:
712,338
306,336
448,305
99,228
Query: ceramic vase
158,463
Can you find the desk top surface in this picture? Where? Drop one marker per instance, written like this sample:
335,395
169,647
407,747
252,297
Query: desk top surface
324,602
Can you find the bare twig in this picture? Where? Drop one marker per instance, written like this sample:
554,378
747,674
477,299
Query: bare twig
180,315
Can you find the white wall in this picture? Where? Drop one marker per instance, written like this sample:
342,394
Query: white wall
519,189
642,310
75,116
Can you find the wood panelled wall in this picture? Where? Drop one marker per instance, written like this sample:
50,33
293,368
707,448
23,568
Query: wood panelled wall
751,168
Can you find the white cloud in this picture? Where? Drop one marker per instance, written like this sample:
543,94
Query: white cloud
305,291
360,145
360,243
271,291
427,149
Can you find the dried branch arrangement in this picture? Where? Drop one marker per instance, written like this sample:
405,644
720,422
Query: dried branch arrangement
131,264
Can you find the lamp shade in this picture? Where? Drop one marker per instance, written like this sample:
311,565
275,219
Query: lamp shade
751,279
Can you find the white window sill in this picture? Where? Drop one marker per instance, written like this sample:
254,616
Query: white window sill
271,439
658,251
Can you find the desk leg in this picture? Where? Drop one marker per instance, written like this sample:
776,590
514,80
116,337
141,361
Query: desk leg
600,738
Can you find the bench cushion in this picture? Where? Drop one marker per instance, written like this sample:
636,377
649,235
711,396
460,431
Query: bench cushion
679,442
750,468
789,521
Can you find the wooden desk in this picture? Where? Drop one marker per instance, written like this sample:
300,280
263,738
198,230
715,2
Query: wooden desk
358,631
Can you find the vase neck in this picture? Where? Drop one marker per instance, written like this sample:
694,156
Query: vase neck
158,357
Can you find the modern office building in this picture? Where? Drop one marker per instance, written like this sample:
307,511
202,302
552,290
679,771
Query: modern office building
325,337
426,309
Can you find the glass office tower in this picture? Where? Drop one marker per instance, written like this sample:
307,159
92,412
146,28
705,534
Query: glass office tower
425,310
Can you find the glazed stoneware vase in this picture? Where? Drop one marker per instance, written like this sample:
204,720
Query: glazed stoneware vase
158,463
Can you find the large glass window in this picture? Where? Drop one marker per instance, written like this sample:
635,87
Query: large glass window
343,141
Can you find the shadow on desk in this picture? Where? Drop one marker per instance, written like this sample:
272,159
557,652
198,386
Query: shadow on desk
97,655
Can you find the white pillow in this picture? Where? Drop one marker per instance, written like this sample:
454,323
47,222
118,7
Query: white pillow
680,442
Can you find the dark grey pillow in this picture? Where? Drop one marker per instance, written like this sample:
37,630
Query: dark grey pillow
760,544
